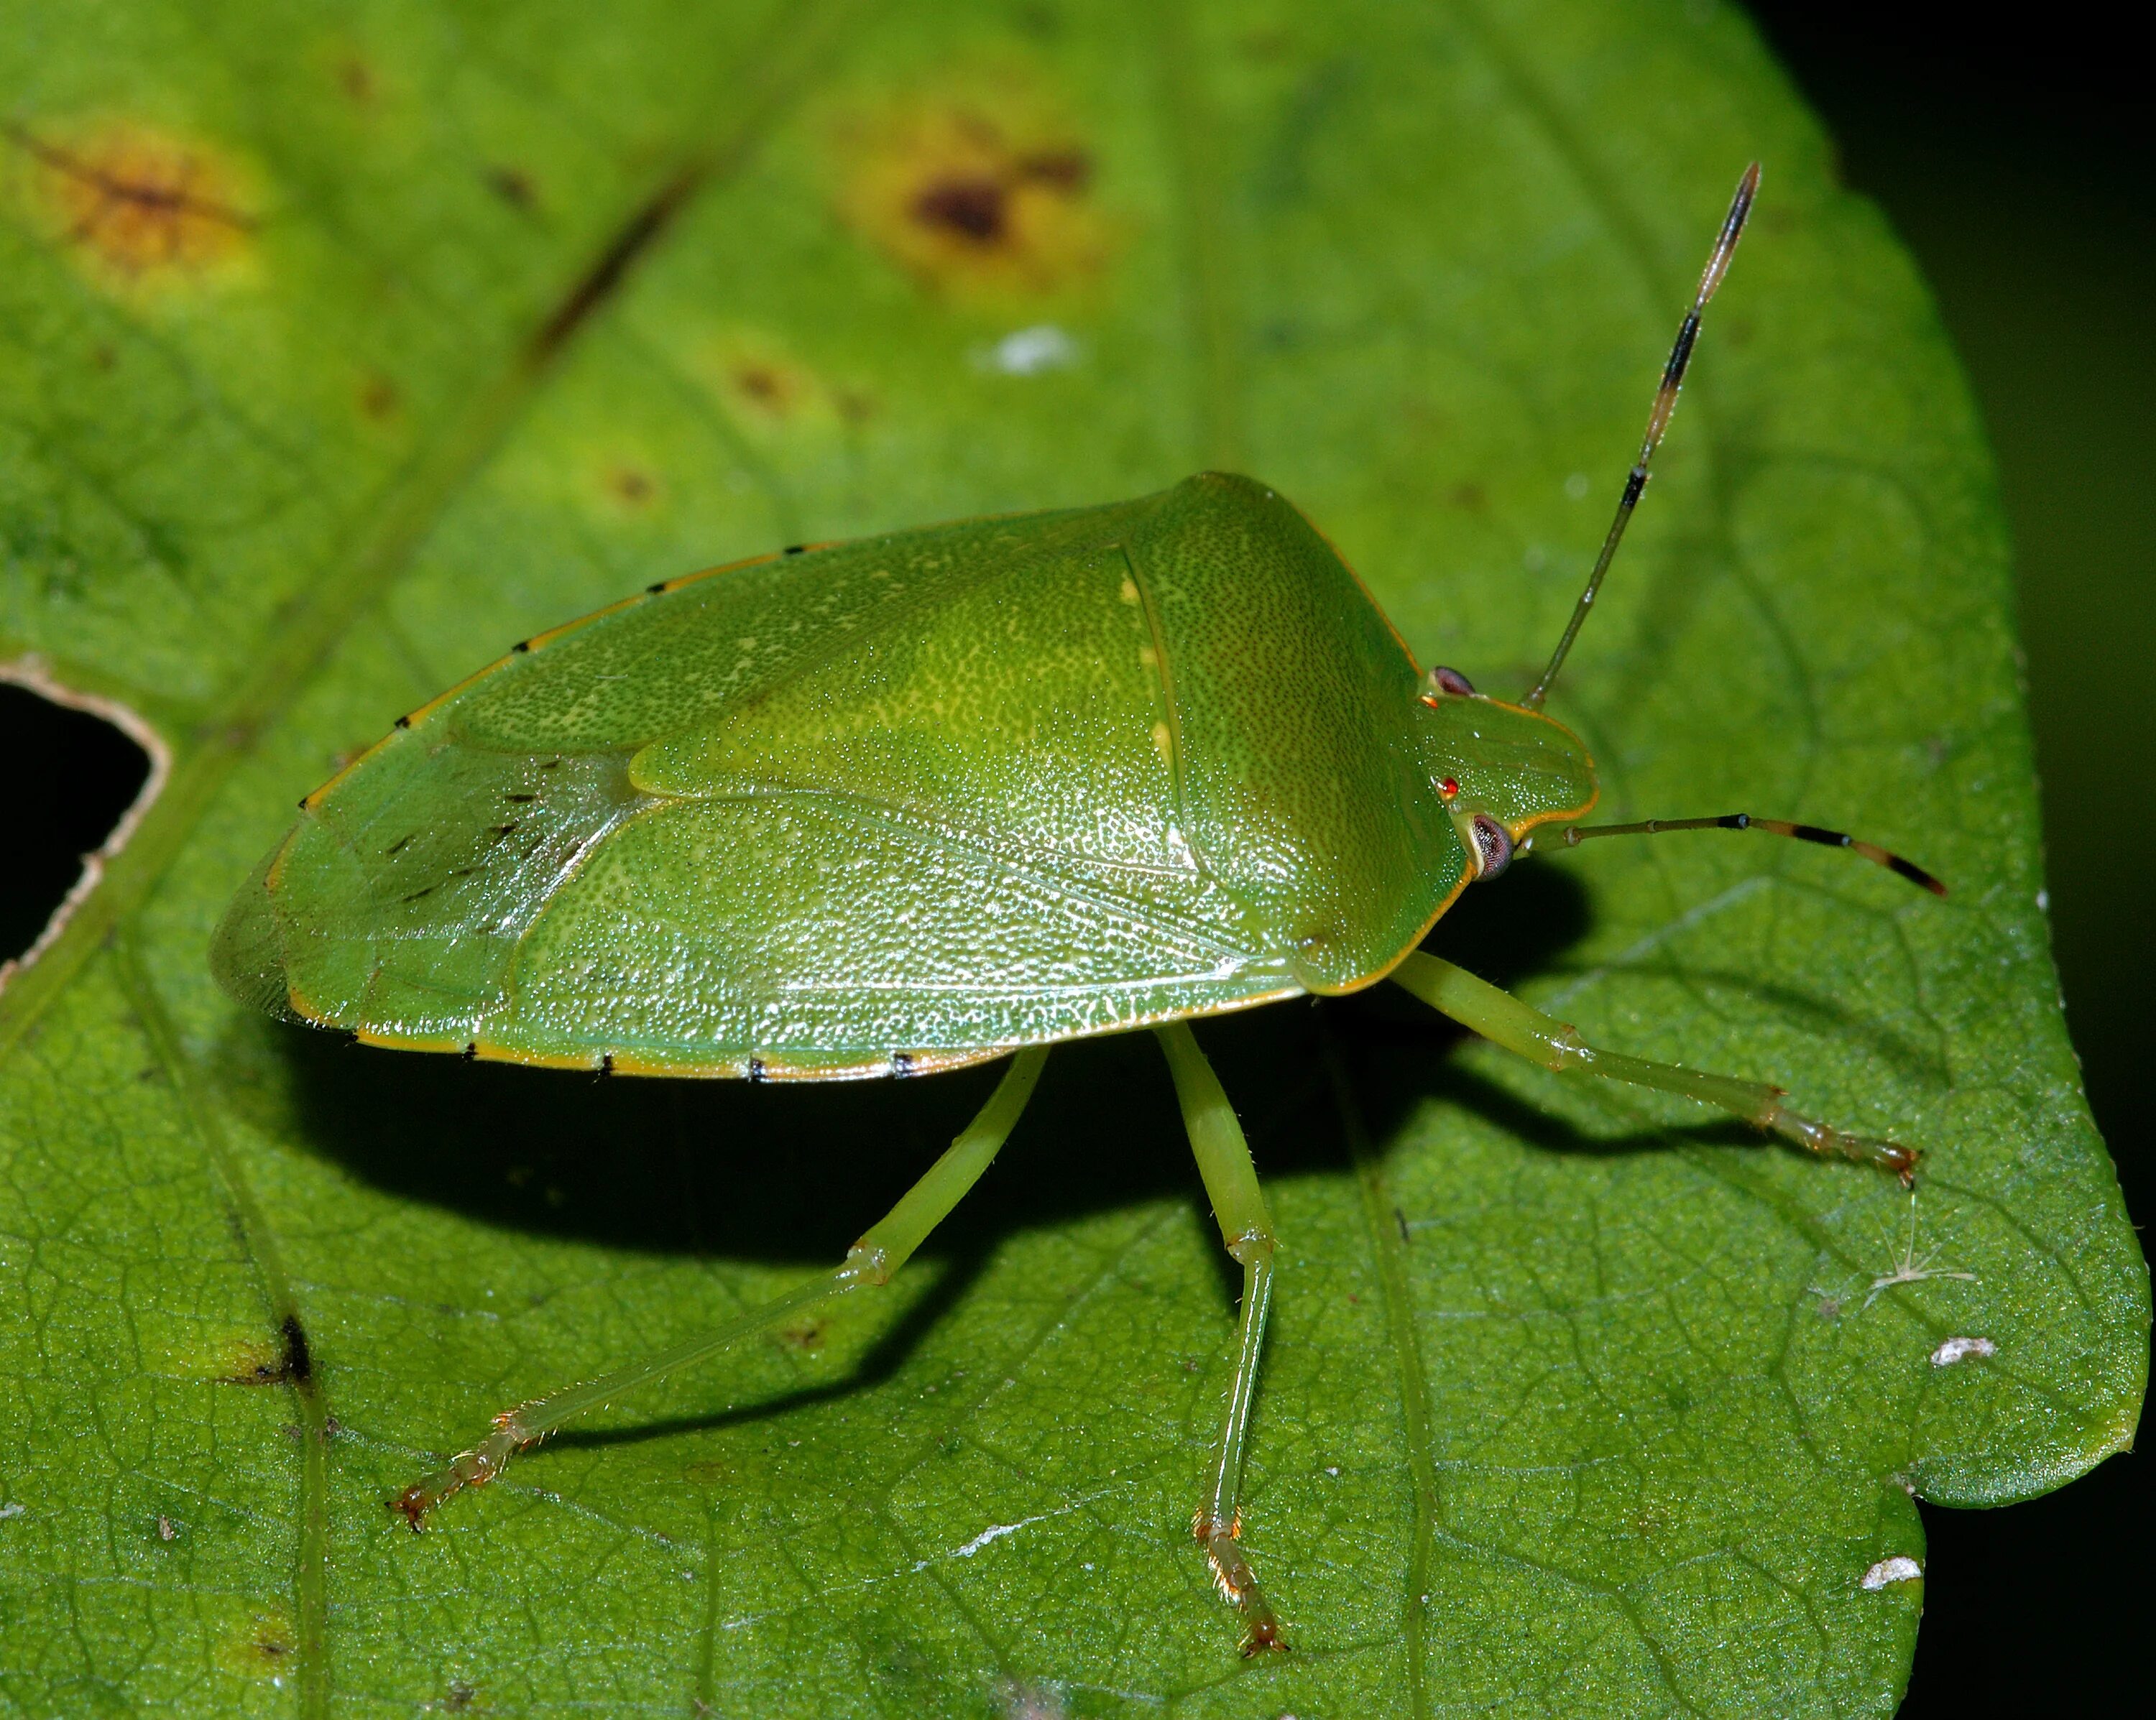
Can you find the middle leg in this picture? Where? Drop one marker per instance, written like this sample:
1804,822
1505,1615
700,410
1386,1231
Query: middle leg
1231,1183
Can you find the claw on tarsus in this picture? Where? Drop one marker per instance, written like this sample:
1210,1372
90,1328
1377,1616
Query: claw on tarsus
412,1503
1238,1585
467,1469
1890,1156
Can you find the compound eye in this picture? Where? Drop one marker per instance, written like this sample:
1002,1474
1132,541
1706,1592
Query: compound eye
1493,846
1442,680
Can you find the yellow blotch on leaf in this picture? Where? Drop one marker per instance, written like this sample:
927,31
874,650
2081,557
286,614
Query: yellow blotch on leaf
978,188
620,480
768,390
238,1358
140,211
261,1644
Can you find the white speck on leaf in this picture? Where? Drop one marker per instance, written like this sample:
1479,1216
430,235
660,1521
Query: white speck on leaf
1900,1569
1028,351
1034,1701
1957,1349
11,1510
996,1532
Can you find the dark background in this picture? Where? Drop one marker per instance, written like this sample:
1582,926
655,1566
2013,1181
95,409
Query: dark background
2016,167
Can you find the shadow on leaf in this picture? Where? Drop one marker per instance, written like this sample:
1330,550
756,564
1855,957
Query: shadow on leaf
795,1172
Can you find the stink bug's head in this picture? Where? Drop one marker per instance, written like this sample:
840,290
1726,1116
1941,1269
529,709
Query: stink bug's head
1499,769
1549,778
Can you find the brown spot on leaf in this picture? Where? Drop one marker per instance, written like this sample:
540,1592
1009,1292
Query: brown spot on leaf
139,210
378,398
1068,171
762,384
513,185
631,486
978,188
806,1335
767,390
299,1362
357,78
974,206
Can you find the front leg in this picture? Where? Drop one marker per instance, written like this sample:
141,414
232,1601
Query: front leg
1501,1018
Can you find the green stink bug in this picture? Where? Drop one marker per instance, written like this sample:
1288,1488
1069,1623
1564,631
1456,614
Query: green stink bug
930,799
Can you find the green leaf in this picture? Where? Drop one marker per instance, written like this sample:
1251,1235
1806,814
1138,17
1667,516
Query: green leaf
341,347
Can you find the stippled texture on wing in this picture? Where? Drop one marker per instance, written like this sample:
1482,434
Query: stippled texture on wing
912,798
398,902
848,934
1297,721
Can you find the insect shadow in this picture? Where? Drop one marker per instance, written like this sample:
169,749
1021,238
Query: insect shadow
793,1171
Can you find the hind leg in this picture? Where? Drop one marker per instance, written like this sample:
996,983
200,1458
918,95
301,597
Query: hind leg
872,1261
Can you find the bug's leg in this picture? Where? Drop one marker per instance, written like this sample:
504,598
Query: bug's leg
1231,1183
1500,1016
873,1260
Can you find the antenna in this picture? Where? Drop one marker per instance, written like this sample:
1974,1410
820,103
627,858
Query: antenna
1658,420
1916,874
